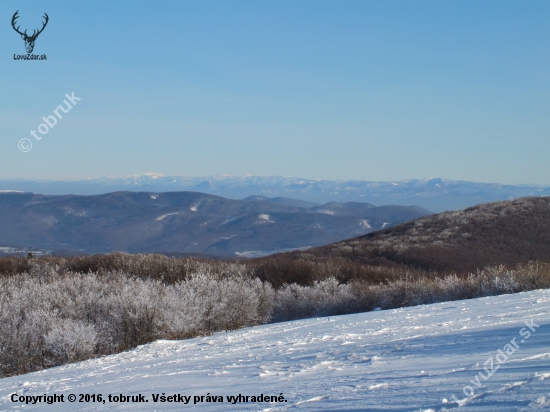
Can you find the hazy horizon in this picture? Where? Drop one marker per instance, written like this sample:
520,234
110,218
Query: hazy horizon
155,175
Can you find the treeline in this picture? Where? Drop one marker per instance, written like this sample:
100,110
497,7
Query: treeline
59,310
277,270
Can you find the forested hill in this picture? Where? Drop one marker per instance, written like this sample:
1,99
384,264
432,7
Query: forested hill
507,232
185,222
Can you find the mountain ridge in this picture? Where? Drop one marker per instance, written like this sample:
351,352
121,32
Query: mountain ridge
182,222
435,194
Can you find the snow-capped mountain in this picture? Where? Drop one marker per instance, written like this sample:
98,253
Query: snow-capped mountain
434,194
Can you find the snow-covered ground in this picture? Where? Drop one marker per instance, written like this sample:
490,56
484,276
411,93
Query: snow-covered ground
407,359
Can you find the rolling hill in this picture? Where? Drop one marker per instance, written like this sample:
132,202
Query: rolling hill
508,232
184,222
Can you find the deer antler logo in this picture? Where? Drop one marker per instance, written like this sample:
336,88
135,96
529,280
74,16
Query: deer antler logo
29,40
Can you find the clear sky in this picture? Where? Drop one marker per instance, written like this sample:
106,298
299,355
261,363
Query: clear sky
369,90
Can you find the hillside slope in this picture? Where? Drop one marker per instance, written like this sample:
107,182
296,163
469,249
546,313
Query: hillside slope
508,232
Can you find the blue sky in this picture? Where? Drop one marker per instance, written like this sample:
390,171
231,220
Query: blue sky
369,90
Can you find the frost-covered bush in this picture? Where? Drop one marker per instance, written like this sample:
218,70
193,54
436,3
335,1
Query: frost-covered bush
229,303
499,280
22,339
323,298
49,319
329,297
69,340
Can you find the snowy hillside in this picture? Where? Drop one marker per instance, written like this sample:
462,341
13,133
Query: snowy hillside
407,359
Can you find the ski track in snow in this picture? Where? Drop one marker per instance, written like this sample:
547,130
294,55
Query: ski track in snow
409,359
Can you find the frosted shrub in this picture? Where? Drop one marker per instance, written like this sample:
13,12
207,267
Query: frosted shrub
498,280
22,341
323,298
135,314
69,341
534,275
230,303
292,303
181,316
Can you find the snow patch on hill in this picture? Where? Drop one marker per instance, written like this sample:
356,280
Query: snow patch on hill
161,217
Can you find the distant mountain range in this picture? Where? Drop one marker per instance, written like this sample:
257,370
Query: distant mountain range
434,194
183,223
